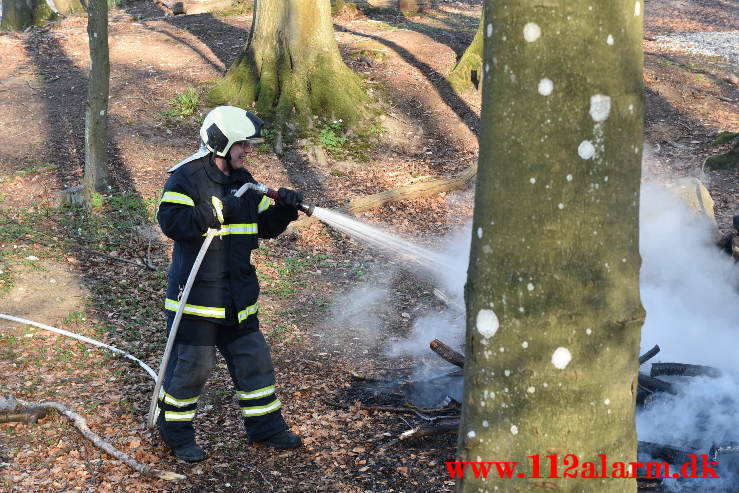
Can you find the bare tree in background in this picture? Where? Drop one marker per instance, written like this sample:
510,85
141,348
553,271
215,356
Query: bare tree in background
554,313
96,112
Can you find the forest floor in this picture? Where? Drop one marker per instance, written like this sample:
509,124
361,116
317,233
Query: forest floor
310,279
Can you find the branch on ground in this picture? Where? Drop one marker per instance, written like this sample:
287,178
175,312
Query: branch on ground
80,423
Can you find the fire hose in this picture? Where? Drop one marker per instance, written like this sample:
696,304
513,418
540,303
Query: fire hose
82,338
257,187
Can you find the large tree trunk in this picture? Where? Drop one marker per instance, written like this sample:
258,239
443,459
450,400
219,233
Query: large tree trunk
19,14
292,66
96,113
553,306
467,74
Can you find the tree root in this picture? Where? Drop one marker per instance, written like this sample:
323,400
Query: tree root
80,423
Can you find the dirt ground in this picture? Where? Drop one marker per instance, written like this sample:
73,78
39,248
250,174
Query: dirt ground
429,131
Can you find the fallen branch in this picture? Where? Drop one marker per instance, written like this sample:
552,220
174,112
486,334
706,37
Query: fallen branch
683,370
118,259
81,424
385,409
422,431
414,191
656,451
655,384
649,355
447,353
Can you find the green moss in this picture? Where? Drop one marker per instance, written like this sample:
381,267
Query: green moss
370,49
467,74
42,14
283,92
383,26
237,8
337,6
238,87
724,138
729,160
16,16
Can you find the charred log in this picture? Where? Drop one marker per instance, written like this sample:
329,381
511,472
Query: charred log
649,355
658,451
683,370
652,384
423,431
447,353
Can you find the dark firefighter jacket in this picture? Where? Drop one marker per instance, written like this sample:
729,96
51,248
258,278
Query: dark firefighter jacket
226,289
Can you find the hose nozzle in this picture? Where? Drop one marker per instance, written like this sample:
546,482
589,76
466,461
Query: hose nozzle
306,208
271,193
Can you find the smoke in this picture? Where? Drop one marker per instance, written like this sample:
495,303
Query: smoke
362,310
447,325
702,415
689,290
688,287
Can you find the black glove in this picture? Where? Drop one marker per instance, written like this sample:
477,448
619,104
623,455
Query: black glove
231,205
290,197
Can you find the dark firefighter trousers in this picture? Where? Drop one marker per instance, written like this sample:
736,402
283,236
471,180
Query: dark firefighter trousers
190,363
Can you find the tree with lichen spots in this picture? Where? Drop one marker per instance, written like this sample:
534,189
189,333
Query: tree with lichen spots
291,66
96,108
466,74
554,314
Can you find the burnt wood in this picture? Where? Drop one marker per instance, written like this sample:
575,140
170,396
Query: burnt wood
649,355
683,370
655,384
447,353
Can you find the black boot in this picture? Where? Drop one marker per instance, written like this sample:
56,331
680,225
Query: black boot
283,440
189,452
180,437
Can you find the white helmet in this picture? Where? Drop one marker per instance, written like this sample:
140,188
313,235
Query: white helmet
225,125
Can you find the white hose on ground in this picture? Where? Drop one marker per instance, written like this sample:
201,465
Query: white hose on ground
81,338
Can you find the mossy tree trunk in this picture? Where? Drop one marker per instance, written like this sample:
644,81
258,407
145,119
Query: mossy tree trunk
19,14
554,314
96,112
292,67
467,74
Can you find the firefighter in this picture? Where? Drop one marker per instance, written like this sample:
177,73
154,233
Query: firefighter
222,308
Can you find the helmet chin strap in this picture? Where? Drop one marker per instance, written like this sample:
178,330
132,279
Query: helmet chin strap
226,158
